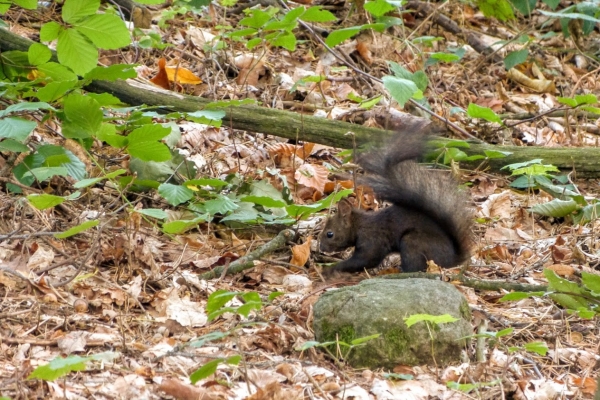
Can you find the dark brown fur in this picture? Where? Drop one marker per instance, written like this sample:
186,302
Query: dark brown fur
428,218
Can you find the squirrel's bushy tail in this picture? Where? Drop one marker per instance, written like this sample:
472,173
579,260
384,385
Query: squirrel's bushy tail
396,177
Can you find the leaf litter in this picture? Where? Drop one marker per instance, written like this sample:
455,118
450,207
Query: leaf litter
144,305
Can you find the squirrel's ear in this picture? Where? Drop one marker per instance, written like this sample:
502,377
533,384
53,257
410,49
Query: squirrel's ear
344,207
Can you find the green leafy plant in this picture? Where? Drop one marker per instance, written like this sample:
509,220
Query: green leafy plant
60,367
344,347
216,305
567,203
82,32
449,151
404,85
582,298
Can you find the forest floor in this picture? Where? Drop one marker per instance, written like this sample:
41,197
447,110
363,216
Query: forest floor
133,298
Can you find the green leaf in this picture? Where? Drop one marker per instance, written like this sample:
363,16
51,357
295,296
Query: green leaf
591,282
56,72
181,226
13,145
44,201
59,367
338,36
402,90
571,300
586,99
499,9
303,211
112,73
73,11
362,340
148,133
26,106
378,8
567,101
515,58
516,296
274,295
316,14
43,173
590,109
504,332
264,201
38,54
16,128
218,299
105,99
55,90
92,181
556,208
28,4
486,113
49,31
525,7
445,57
570,16
217,183
105,31
436,319
256,20
209,337
175,194
75,51
496,154
143,143
77,229
220,205
208,117
83,117
205,371
153,213
149,151
540,348
286,40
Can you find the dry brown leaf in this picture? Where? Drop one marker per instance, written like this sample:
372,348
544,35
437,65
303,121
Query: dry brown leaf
562,270
541,85
588,384
182,391
365,52
251,68
141,17
300,253
284,153
161,78
330,187
183,75
312,175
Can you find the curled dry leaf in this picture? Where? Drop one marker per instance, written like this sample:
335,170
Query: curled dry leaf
251,68
312,175
541,84
365,52
284,153
301,253
161,79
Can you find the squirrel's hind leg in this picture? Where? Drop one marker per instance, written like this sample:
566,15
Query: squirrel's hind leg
416,248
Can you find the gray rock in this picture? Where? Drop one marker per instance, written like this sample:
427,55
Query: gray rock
379,306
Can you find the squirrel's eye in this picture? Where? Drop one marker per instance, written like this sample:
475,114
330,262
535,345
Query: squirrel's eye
329,234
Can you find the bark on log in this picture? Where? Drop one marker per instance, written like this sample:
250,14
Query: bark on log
584,161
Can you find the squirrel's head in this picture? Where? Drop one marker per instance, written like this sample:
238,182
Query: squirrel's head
338,233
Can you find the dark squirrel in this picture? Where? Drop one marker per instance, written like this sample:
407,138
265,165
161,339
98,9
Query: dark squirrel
428,218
